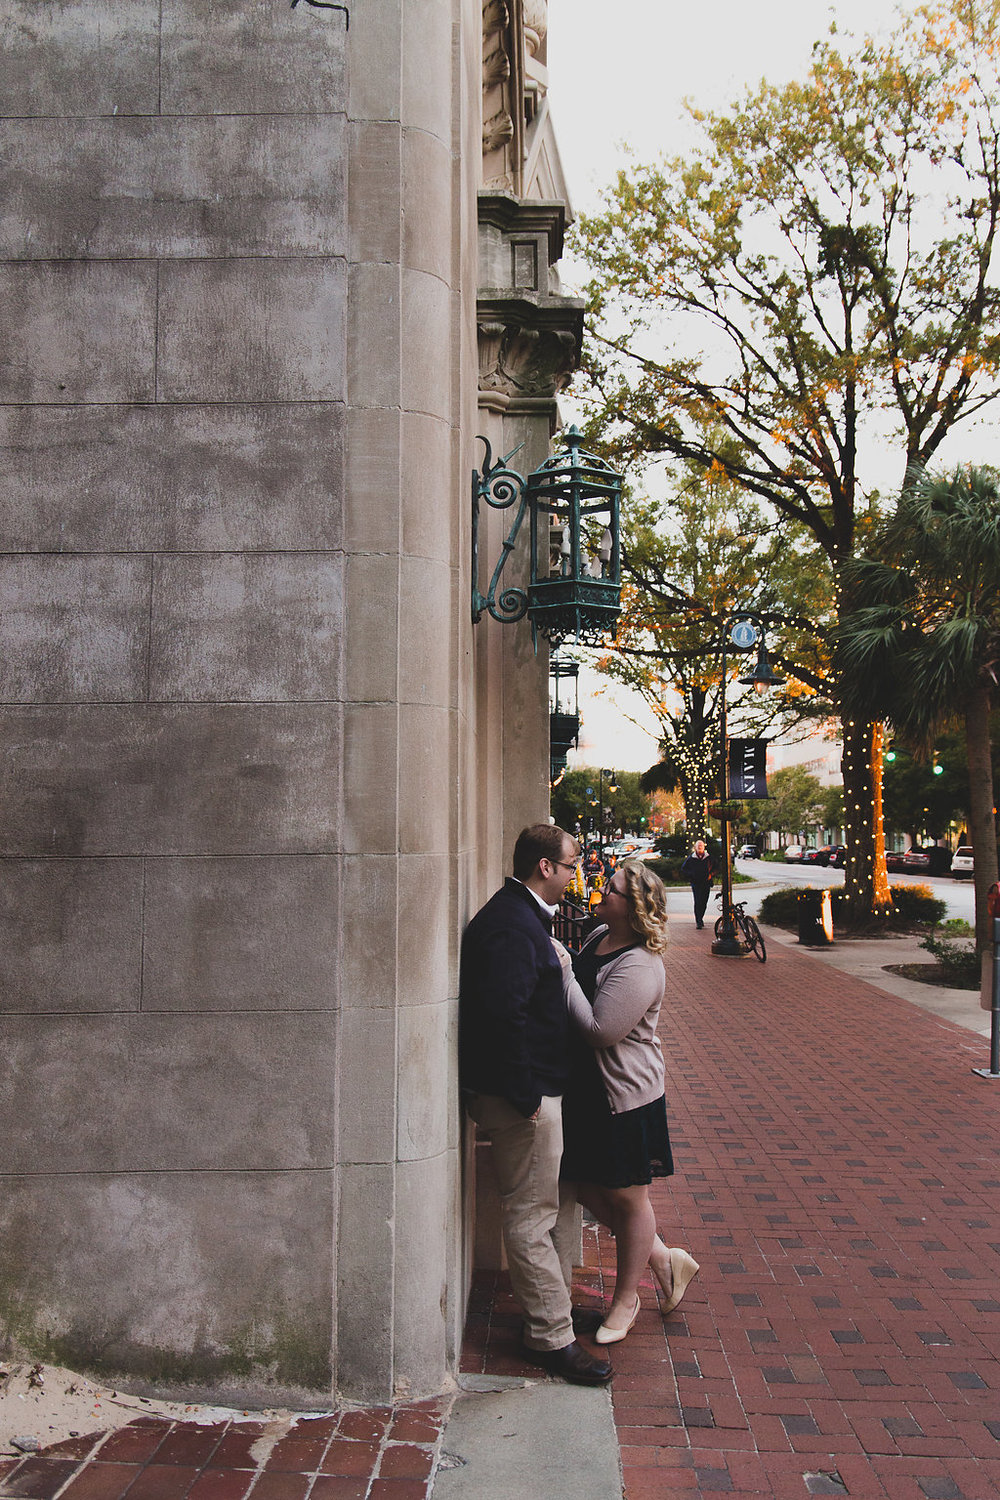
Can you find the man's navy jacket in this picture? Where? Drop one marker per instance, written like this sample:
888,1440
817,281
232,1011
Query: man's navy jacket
698,869
513,1028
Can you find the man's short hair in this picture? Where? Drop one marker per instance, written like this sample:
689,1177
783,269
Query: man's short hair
540,841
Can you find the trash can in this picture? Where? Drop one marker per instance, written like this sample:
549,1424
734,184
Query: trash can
815,918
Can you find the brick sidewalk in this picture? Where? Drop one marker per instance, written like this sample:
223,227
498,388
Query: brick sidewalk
383,1453
837,1178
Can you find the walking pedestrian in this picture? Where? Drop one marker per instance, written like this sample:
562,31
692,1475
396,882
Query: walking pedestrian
699,869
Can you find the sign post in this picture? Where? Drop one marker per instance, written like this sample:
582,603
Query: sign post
993,1071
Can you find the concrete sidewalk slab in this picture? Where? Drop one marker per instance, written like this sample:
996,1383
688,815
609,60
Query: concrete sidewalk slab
532,1440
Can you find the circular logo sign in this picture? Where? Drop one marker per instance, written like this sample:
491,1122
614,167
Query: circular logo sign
743,634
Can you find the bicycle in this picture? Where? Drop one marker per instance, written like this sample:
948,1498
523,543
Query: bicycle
747,930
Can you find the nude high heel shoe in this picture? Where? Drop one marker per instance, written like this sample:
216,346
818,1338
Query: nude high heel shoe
606,1335
684,1269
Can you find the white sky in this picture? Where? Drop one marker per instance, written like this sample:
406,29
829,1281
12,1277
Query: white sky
620,74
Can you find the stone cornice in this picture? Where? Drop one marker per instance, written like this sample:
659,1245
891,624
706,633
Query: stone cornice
529,344
525,216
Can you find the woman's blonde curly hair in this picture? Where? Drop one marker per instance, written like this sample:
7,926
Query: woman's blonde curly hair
646,896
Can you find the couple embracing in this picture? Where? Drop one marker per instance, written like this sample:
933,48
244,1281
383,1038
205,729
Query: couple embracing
561,1066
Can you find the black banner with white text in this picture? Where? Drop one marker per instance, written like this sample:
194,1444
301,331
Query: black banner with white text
748,768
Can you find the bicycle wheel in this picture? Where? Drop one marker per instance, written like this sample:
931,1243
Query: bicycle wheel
753,937
720,923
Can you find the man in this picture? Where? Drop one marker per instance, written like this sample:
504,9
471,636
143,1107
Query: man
514,1058
698,869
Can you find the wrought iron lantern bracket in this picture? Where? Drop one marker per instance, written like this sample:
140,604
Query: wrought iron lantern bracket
500,487
573,500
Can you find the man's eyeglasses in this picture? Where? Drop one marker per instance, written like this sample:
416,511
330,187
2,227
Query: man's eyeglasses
564,866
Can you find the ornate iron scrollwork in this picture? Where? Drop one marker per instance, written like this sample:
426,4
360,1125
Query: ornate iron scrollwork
574,587
501,487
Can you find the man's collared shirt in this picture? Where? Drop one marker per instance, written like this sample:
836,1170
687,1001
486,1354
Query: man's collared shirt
550,911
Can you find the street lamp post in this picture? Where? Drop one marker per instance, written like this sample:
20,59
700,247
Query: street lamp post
612,787
745,631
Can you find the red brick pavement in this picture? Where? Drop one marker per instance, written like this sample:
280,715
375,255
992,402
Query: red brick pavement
837,1178
381,1453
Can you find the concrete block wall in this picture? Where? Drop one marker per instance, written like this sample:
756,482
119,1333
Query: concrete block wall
237,274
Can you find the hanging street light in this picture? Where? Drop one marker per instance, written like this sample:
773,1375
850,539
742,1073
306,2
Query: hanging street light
573,500
743,633
564,718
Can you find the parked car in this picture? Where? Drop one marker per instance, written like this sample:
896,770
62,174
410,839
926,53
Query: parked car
793,854
748,851
826,854
894,860
940,858
962,862
933,858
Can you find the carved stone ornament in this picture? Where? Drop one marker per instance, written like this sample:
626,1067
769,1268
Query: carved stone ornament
536,24
498,122
495,16
498,131
496,68
525,361
491,336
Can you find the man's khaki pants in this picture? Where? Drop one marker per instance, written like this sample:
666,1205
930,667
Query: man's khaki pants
538,1220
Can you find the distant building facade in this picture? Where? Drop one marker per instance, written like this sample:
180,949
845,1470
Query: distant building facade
268,270
820,754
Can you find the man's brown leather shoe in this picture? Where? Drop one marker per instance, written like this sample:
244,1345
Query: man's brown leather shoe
573,1363
587,1319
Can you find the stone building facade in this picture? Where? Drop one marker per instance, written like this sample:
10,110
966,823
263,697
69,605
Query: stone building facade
267,270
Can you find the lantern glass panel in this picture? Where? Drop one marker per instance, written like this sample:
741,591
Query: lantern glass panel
575,587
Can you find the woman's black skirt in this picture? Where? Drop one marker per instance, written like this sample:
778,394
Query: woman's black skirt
622,1150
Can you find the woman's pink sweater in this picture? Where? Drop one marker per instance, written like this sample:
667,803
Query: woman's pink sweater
621,1025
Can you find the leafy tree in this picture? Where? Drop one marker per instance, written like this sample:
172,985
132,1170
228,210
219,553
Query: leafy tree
832,807
686,568
576,801
926,793
813,287
796,802
923,640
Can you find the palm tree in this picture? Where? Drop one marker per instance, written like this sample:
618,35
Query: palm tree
920,643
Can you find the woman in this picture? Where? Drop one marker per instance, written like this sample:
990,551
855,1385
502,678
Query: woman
614,1116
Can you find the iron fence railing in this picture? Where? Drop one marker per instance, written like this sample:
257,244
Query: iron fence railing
571,925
